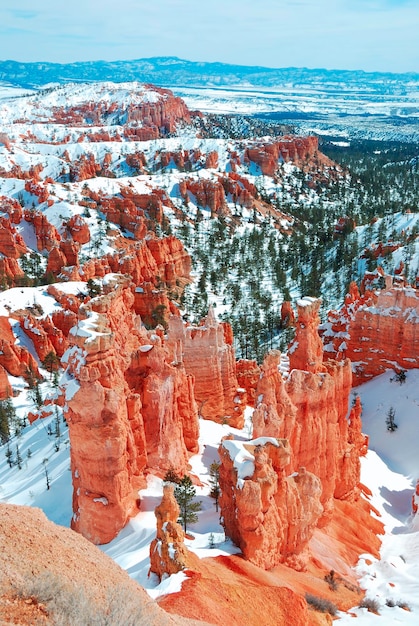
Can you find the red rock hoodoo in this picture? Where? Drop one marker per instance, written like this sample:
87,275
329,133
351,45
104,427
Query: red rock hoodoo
127,408
307,413
375,330
168,554
208,354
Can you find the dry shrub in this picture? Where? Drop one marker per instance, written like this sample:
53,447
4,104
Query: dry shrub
68,605
321,604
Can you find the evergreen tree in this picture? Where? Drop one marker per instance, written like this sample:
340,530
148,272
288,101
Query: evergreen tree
51,362
185,492
214,472
18,458
4,423
390,422
36,395
9,455
171,477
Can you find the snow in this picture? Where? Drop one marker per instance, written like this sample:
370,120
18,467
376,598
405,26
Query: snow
390,470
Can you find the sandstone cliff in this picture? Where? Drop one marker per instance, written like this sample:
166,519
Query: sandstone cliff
306,415
208,355
377,330
120,389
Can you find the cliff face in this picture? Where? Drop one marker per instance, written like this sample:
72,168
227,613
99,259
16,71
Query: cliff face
127,408
208,354
271,516
375,330
306,415
268,155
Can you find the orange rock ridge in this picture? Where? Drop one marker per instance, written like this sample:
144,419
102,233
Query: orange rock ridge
208,354
375,330
306,414
121,390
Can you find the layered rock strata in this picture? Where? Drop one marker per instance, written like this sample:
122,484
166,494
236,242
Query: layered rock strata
377,330
168,554
305,413
127,408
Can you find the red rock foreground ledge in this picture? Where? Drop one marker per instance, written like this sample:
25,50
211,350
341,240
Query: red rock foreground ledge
35,551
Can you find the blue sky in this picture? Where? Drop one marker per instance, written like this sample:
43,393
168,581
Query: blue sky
371,35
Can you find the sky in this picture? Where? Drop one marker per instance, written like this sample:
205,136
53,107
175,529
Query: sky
372,35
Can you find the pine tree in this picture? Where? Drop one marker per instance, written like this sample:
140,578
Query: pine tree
51,362
185,492
4,423
9,455
171,476
214,472
18,458
45,461
36,395
390,423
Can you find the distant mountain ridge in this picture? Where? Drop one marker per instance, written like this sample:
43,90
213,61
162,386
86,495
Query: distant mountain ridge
171,71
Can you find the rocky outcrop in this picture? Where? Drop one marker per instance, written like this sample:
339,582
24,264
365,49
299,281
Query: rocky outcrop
47,236
127,407
306,350
92,587
377,330
78,229
268,155
168,554
308,410
207,353
15,359
208,193
248,374
5,386
271,516
12,244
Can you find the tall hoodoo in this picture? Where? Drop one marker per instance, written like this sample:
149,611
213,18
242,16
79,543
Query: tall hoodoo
127,408
207,353
307,412
168,554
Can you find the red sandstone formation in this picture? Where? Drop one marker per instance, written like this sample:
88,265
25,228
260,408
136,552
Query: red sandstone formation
12,207
47,236
78,229
5,387
121,389
269,515
35,331
168,554
287,314
15,359
38,190
248,374
9,271
268,155
137,160
307,412
12,244
375,330
306,350
208,354
208,193
241,191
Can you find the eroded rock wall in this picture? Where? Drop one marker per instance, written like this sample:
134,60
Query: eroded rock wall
127,409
